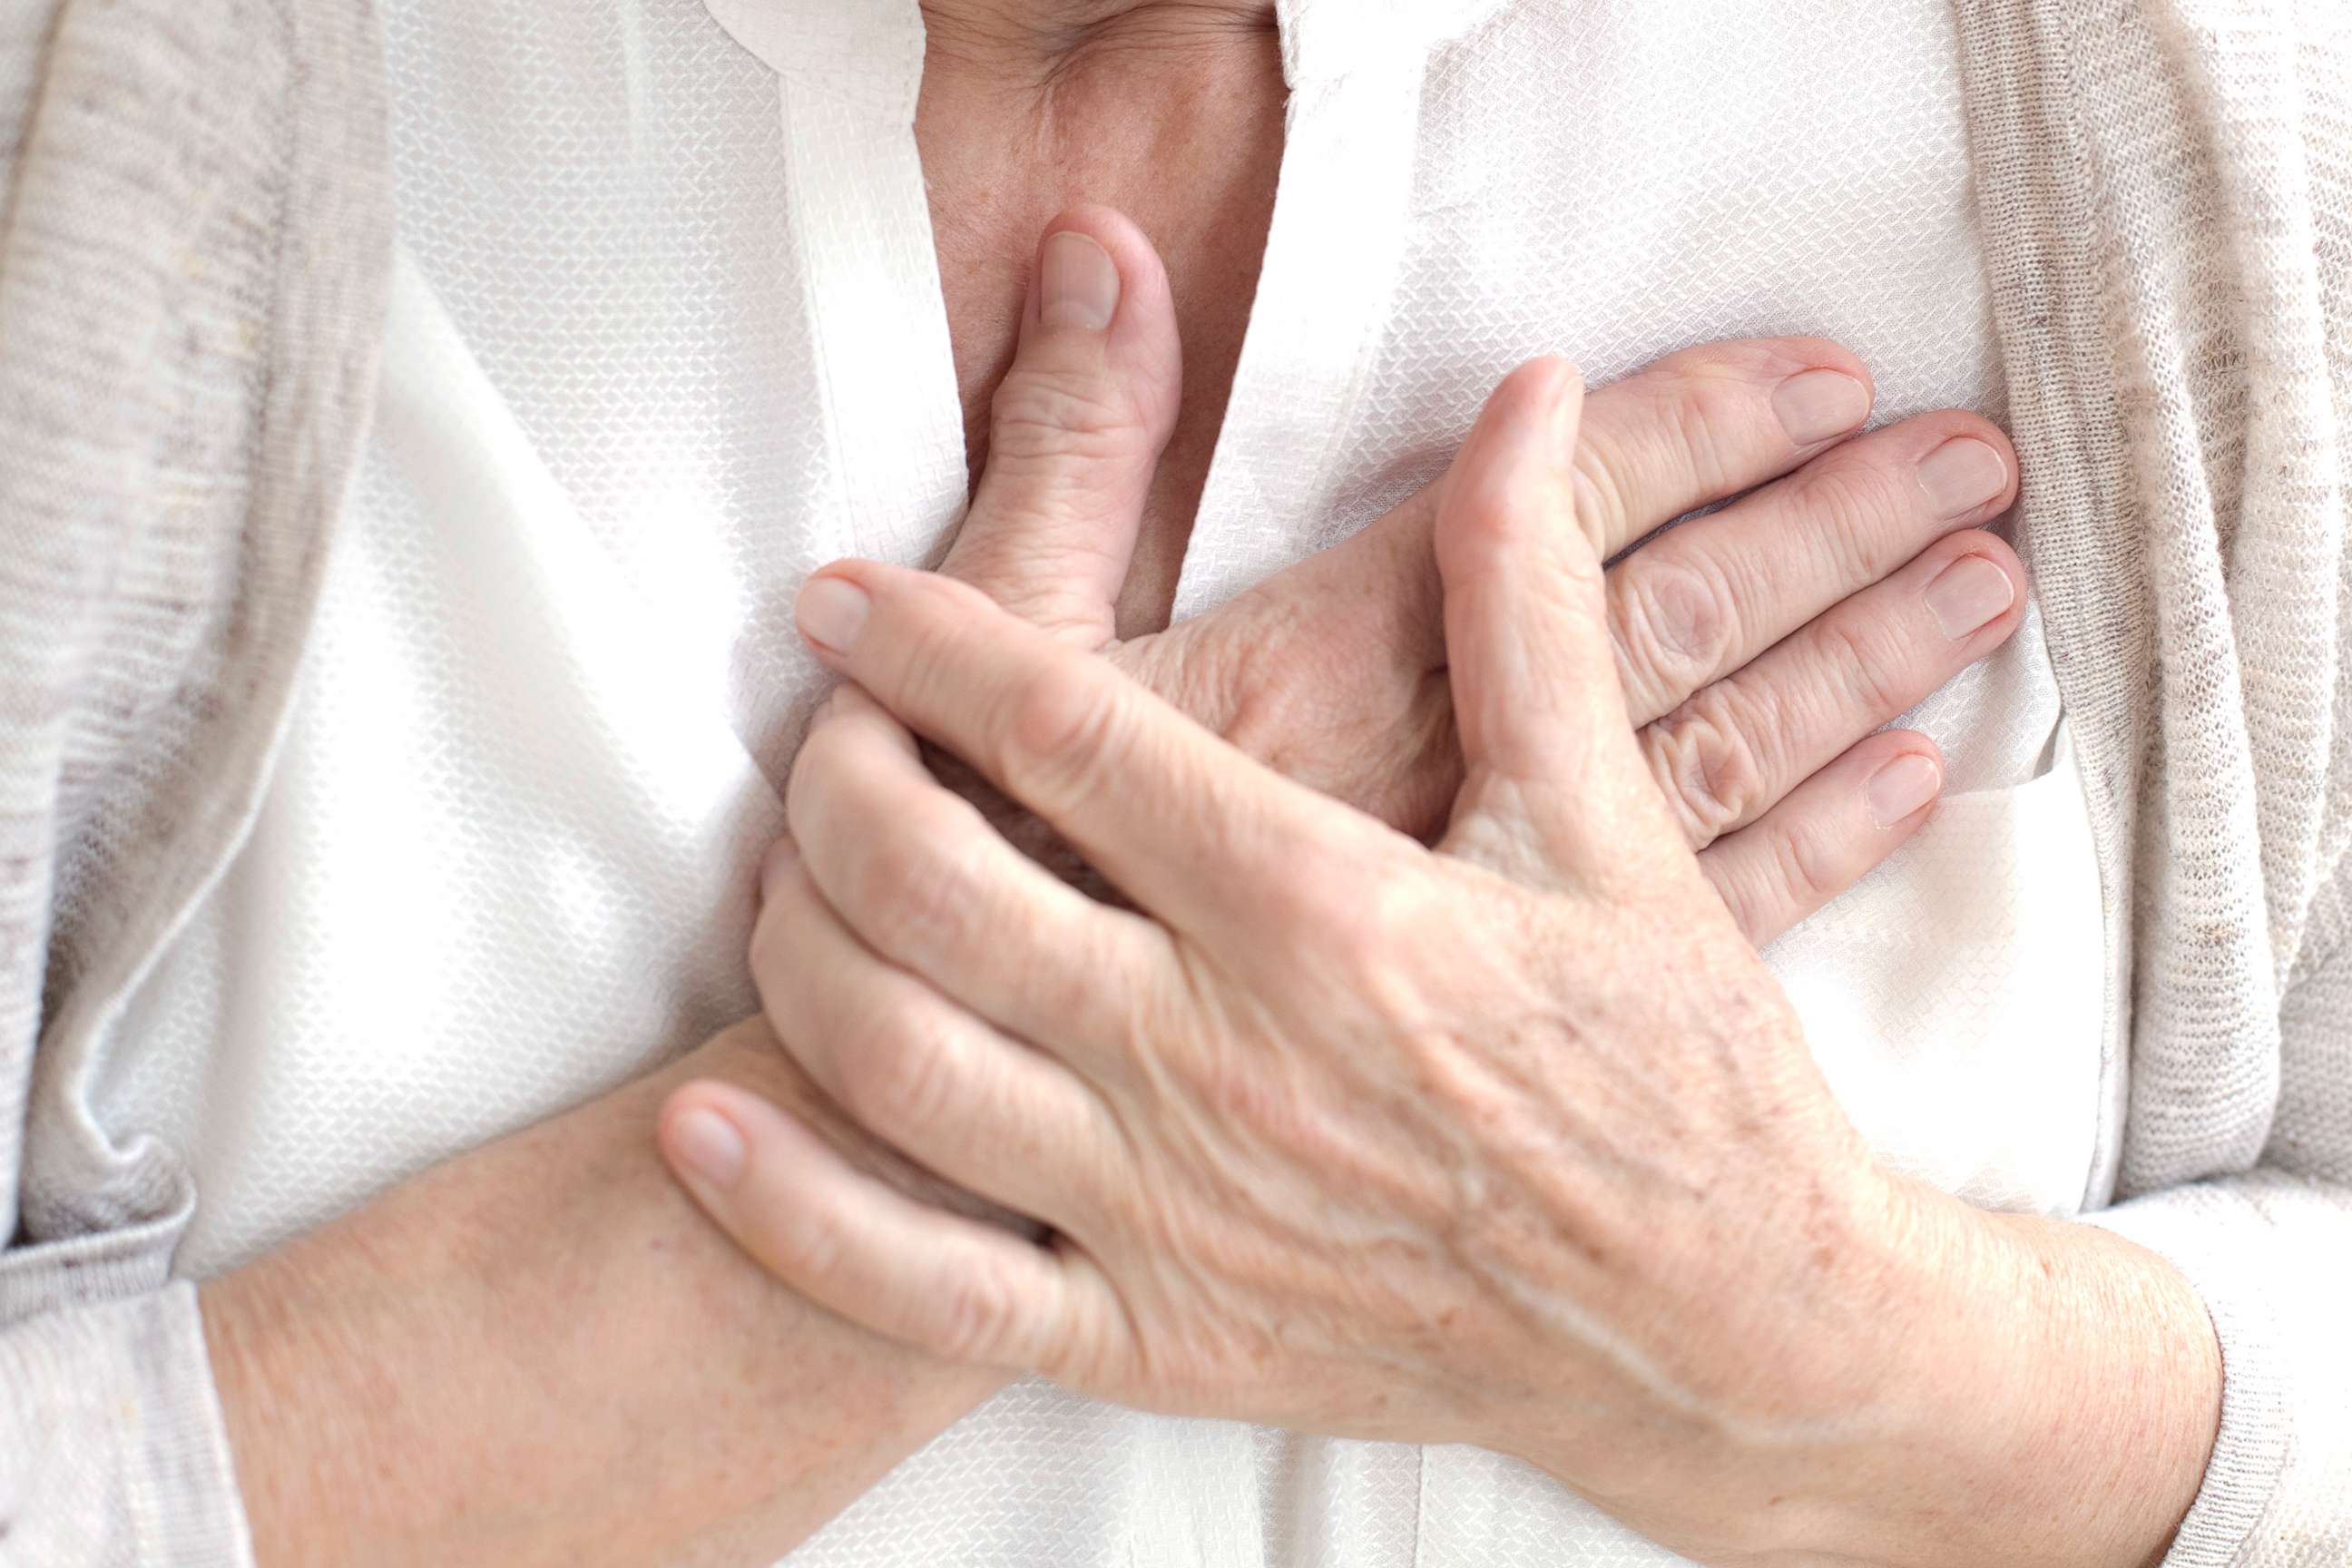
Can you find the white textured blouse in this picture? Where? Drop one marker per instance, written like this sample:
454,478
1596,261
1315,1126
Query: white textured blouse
666,333
193,285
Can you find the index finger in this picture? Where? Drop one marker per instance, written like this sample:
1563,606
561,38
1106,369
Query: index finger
1178,820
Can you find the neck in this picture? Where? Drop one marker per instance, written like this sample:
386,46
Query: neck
1046,36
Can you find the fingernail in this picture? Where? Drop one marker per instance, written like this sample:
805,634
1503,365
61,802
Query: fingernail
831,612
1820,404
778,862
1968,593
707,1143
1962,474
1902,787
1077,283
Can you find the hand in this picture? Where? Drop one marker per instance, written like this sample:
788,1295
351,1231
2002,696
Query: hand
1759,646
1514,1141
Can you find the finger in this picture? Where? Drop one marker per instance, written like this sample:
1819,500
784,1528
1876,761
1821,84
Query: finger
959,1288
1708,423
1076,428
922,879
1693,606
1829,834
1695,428
1177,820
1728,754
923,1075
1528,655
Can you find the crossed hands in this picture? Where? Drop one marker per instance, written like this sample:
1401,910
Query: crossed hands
1423,1082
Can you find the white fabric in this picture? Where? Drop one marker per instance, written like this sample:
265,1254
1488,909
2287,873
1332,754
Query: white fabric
665,334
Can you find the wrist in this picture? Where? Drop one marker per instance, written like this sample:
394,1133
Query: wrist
2032,1391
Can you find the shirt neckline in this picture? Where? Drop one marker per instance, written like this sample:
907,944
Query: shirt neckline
849,73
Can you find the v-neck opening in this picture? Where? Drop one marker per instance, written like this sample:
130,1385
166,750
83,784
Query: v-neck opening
1332,255
849,80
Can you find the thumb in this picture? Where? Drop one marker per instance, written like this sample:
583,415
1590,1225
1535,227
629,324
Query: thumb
1076,430
1542,721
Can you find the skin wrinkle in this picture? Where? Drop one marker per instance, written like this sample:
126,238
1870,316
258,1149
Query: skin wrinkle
1224,1145
1638,1365
1036,45
1083,84
1241,1285
1272,1306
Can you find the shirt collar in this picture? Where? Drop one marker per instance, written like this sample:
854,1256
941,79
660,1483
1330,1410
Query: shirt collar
1324,39
873,50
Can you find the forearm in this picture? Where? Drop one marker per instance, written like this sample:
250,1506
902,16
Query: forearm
542,1352
2048,1394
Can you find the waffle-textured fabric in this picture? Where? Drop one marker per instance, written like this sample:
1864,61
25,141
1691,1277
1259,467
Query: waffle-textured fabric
499,858
2162,201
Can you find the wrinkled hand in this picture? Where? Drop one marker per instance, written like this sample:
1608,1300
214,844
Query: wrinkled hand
1513,1141
1759,646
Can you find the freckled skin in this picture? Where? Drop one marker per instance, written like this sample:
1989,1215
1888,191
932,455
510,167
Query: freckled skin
536,1352
1318,1089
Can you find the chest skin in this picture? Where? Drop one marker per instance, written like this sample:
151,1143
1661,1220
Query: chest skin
1180,128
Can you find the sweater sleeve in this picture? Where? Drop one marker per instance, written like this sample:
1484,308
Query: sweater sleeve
191,293
117,1457
2166,198
2271,1251
2268,1250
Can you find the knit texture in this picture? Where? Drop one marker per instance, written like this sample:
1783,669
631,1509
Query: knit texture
193,243
2168,195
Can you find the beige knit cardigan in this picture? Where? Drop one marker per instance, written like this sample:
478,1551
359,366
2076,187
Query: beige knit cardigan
194,239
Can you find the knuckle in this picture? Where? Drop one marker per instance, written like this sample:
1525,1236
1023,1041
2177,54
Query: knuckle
1704,417
919,888
1707,768
1041,411
1867,657
933,647
1063,729
1856,501
775,955
1305,908
1245,1092
1362,932
1676,434
1676,623
1353,918
1599,486
803,1242
1809,870
975,1313
897,1077
1669,438
1578,582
